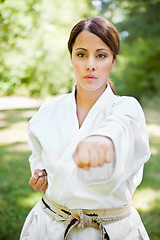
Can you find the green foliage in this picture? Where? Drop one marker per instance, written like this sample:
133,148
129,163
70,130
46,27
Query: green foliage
138,69
18,23
33,45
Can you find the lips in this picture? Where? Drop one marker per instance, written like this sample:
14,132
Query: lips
90,77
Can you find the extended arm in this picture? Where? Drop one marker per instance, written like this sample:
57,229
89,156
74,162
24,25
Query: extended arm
124,135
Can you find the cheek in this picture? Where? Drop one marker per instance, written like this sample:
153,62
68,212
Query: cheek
106,68
77,67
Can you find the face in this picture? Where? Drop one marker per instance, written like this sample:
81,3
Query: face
92,61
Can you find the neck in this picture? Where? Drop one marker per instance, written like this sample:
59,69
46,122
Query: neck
86,99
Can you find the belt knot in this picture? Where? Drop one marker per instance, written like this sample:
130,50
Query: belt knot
83,218
84,221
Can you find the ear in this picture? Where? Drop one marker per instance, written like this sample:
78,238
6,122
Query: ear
71,60
114,61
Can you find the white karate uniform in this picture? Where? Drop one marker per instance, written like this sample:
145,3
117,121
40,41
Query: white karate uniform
54,134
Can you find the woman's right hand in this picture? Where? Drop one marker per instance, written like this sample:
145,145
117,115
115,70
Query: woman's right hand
39,180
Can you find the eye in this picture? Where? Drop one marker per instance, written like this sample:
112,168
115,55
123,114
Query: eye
81,55
101,55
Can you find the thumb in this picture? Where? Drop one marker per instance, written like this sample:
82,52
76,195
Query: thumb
38,172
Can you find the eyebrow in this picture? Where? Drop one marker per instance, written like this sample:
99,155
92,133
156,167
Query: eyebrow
100,49
81,49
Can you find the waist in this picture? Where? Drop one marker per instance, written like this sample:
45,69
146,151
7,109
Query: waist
83,218
106,214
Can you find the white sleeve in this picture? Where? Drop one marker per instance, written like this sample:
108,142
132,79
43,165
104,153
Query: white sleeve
35,159
126,127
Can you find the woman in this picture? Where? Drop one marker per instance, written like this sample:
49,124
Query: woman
88,149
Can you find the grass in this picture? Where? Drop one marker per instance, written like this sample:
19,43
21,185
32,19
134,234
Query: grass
147,197
17,198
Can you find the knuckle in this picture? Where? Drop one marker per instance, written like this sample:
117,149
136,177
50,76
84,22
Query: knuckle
106,159
36,171
100,164
80,158
43,188
41,179
81,145
103,145
35,188
95,144
79,164
31,182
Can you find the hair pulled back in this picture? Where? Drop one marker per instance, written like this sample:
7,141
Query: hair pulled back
102,28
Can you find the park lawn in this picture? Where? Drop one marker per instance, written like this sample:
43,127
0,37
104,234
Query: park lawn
17,198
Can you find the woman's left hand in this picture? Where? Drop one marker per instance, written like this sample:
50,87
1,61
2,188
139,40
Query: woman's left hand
94,151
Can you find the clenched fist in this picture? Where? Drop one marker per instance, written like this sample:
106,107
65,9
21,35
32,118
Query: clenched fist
39,180
93,151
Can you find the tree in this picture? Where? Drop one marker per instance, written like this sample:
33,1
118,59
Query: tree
33,44
138,69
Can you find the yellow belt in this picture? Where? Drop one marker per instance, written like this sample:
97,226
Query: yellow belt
83,218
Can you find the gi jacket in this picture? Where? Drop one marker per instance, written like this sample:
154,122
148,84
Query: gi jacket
54,134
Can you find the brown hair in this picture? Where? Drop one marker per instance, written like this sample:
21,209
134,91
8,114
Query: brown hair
101,27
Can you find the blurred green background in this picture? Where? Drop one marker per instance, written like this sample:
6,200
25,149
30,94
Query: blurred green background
34,59
34,62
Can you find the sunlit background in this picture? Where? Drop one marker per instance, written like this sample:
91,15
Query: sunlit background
35,66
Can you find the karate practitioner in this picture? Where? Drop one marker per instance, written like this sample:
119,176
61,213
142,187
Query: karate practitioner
88,149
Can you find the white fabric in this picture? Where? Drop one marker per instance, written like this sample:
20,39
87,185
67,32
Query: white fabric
54,134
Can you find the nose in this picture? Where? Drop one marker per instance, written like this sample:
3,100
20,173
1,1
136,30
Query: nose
90,65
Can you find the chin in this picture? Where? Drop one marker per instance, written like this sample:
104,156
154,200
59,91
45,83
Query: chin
92,87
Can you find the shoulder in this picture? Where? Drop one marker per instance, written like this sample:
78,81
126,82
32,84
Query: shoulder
50,109
57,101
126,100
127,105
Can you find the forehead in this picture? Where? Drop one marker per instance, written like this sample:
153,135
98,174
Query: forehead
89,41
